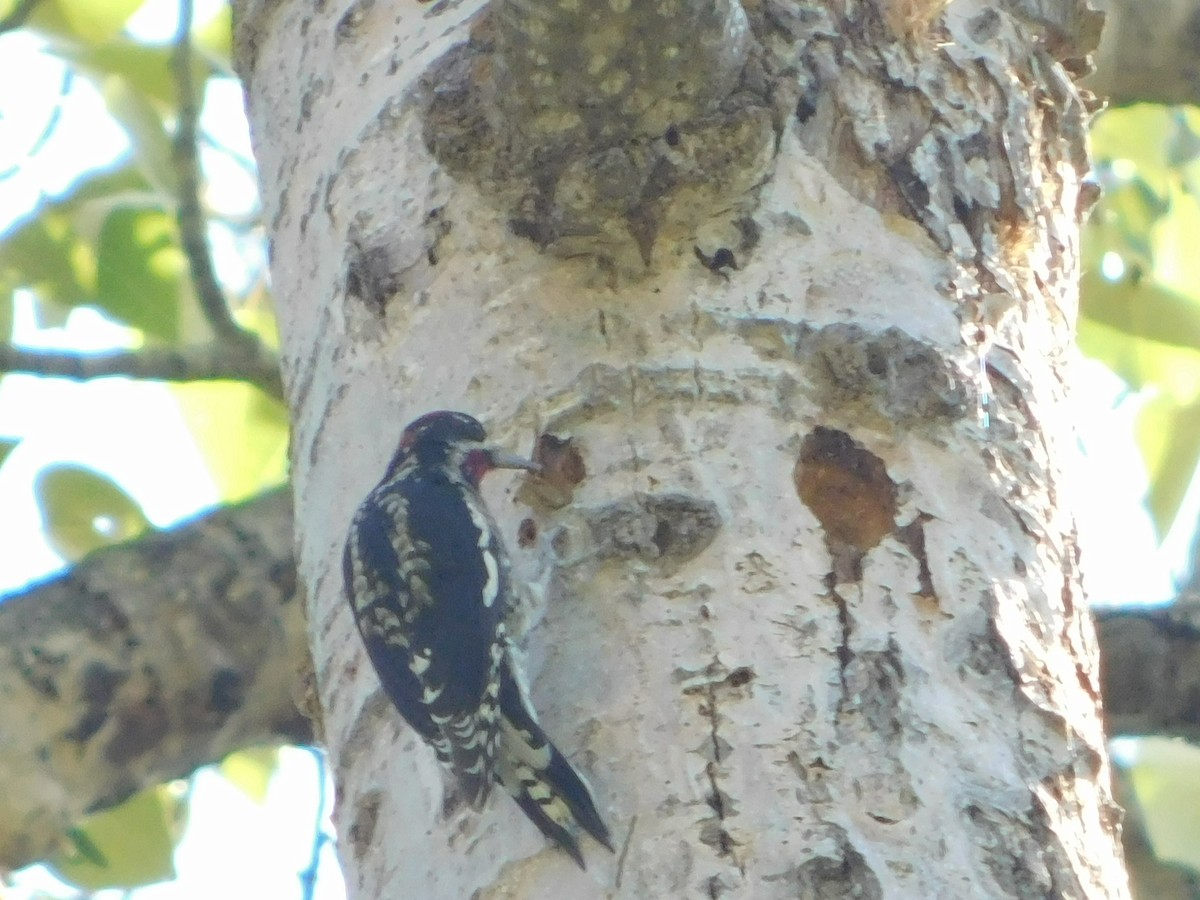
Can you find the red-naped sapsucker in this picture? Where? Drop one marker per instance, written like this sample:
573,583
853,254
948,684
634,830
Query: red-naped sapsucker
428,579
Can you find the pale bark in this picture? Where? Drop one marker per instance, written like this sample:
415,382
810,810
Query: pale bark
143,663
871,671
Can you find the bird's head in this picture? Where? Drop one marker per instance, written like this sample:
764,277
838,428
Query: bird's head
453,438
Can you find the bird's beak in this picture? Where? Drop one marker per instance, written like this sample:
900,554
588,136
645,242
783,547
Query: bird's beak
502,459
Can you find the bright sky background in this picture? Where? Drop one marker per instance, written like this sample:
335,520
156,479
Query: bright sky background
134,433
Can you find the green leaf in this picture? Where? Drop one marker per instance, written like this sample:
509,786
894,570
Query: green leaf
1169,437
1173,372
83,510
1174,242
53,251
151,144
1139,134
119,180
6,307
47,256
242,433
141,270
92,21
256,314
146,67
48,314
1135,208
1141,309
1184,146
85,848
250,770
215,37
1166,778
108,244
127,846
7,446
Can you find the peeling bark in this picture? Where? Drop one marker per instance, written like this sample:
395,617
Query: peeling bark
862,245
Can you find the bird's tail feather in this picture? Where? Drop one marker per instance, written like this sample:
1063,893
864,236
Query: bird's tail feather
545,785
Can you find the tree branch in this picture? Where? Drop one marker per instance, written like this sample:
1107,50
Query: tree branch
144,662
209,362
1147,53
17,17
190,213
1150,669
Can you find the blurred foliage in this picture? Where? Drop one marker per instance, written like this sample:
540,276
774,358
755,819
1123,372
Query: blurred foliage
111,242
250,771
55,251
83,510
129,845
1140,294
6,447
1166,776
1153,876
1140,315
140,270
242,433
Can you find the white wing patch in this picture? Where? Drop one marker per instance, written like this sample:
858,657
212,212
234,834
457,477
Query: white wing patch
420,661
480,519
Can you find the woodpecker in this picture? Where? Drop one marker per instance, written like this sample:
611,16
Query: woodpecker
428,580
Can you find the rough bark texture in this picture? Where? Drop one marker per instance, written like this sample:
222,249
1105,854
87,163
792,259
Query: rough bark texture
811,628
132,670
1150,658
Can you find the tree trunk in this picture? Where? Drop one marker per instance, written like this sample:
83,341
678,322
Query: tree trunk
804,589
